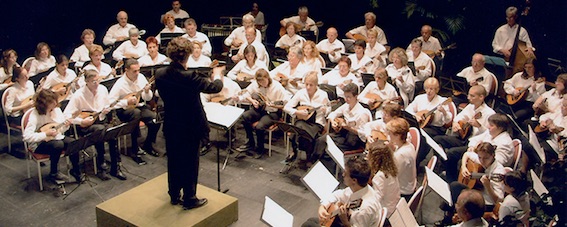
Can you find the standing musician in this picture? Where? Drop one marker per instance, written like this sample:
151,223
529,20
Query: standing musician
506,34
422,64
153,57
377,92
7,64
475,74
390,111
61,75
43,60
198,59
348,133
528,83
238,36
359,204
129,108
375,50
360,63
104,70
385,180
318,104
18,100
261,51
93,99
331,46
291,38
118,32
312,59
265,112
170,27
404,154
185,122
248,67
428,101
81,54
132,48
194,35
340,78
51,141
303,20
401,75
291,73
369,24
257,14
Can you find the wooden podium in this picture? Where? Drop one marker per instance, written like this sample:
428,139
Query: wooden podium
148,205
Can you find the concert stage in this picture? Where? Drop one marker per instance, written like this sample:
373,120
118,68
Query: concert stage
148,205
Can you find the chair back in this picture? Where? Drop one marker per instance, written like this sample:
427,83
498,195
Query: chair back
27,63
415,138
453,110
432,162
517,153
383,217
4,98
415,199
26,118
494,90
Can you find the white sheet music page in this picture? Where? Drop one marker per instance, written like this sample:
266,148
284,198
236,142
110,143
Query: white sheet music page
320,181
438,185
436,147
402,216
221,114
275,215
538,186
335,152
535,144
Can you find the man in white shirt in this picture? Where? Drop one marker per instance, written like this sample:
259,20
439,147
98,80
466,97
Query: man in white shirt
251,35
476,74
118,32
470,208
194,35
303,20
133,48
238,36
331,46
506,34
369,23
176,10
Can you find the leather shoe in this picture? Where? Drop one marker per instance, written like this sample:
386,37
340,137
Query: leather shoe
141,151
138,159
103,166
102,175
259,153
205,149
292,157
197,203
77,175
118,174
176,201
58,176
244,148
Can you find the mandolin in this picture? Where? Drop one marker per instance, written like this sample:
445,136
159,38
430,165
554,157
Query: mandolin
300,27
137,95
378,136
427,115
310,111
223,100
523,93
263,101
54,126
94,115
340,123
378,101
63,95
466,127
244,77
333,210
359,36
432,53
457,93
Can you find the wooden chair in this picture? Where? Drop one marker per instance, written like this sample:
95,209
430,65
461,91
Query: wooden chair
517,153
27,63
9,126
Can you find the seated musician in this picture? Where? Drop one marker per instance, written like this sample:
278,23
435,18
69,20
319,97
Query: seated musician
197,59
194,35
360,63
555,124
374,50
153,57
291,73
426,102
7,64
529,81
19,99
62,75
81,54
290,38
93,99
170,27
506,34
397,130
257,14
261,51
429,44
389,111
312,59
132,48
470,209
43,60
303,20
238,36
104,70
340,78
401,75
51,141
245,70
129,109
347,123
317,102
265,112
359,204
498,136
118,32
475,74
422,64
331,46
176,10
515,208
385,181
369,24
378,91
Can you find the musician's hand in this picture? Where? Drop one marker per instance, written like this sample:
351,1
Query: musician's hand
369,139
147,88
105,111
331,52
530,52
485,181
464,171
506,53
323,214
343,214
30,104
473,83
255,103
132,101
400,78
87,122
442,110
301,113
51,133
293,83
363,69
474,123
456,127
121,38
236,42
371,102
113,72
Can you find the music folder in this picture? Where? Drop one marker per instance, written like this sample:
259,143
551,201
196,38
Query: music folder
222,116
532,138
275,215
439,186
402,216
335,153
150,71
434,145
320,181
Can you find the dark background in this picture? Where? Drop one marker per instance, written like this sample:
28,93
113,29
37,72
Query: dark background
60,23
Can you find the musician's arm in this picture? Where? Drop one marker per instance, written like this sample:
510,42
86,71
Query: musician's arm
30,135
504,153
9,107
60,118
290,106
118,54
207,47
509,86
538,101
109,39
362,96
283,22
72,108
115,93
228,41
498,42
495,189
446,114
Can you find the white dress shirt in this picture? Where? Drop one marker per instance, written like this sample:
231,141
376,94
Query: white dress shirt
421,102
35,121
287,41
167,30
54,78
41,65
364,31
517,81
116,31
104,72
314,64
261,51
147,60
127,48
125,86
243,67
495,168
388,189
505,35
469,74
240,33
469,112
81,55
309,21
207,49
202,61
504,147
298,75
372,52
326,46
320,100
179,15
356,117
84,100
370,210
407,88
421,60
553,100
334,78
405,157
16,94
275,92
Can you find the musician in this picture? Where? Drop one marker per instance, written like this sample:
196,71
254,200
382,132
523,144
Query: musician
266,114
385,181
515,208
132,48
380,87
375,50
550,101
197,59
341,77
21,90
405,155
176,10
506,34
291,73
194,35
81,54
238,36
428,101
401,74
43,60
170,27
390,111
153,57
356,175
470,208
185,123
369,24
360,63
61,75
133,82
349,136
291,38
257,14
261,51
104,70
45,112
7,64
422,63
118,32
475,74
531,80
313,97
247,67
303,20
498,136
331,46
555,123
93,97
428,42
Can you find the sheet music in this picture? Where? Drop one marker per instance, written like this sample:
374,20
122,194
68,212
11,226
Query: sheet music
535,144
335,152
275,215
538,186
436,147
438,185
222,115
402,216
320,181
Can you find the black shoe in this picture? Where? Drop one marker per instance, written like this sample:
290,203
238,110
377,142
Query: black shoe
141,151
77,175
58,176
176,201
244,148
259,153
103,166
205,149
138,159
151,151
292,157
118,174
197,203
102,175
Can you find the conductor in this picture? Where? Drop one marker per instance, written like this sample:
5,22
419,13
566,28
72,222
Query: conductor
185,122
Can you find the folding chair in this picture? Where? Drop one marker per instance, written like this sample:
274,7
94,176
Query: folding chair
9,127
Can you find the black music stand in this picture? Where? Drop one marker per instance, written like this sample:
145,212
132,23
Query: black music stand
308,35
122,130
150,71
349,45
367,78
179,22
299,132
108,83
166,37
36,78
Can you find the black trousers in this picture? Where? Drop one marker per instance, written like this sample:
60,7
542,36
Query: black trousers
307,142
114,155
54,148
344,140
264,119
182,165
145,115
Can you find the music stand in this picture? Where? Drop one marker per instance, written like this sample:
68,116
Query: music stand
150,71
308,35
166,37
349,45
292,129
367,78
37,77
108,83
122,130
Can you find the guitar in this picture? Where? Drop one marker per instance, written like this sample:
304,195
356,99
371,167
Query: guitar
310,111
137,95
523,93
427,115
333,210
378,136
63,95
340,123
466,127
263,102
476,171
54,126
432,53
222,100
378,101
244,77
359,36
542,108
300,27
